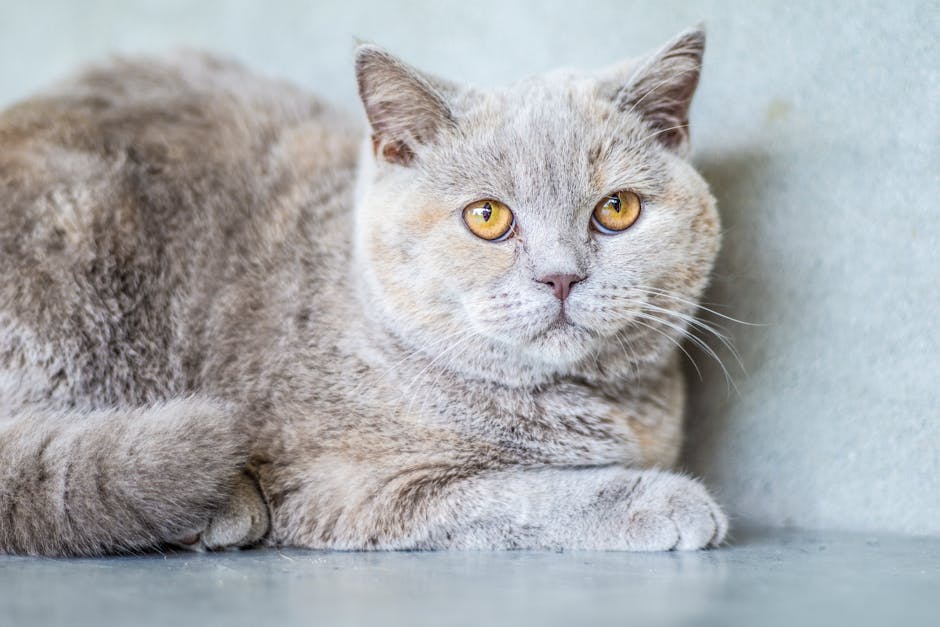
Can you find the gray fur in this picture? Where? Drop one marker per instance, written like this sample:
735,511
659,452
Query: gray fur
224,318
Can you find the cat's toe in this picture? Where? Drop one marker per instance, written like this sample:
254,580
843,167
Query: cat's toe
699,522
677,513
651,530
242,522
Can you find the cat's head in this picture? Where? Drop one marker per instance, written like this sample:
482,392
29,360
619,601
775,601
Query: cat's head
551,227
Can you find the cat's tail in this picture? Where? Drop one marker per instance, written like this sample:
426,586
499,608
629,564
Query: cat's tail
114,481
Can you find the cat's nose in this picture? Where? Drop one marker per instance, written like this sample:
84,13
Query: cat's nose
560,283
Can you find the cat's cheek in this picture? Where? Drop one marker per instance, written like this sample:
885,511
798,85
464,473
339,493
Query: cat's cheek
393,274
691,197
471,263
423,220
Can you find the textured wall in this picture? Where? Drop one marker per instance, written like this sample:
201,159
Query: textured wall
817,126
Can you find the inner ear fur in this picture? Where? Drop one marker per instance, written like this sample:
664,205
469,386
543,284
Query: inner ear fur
661,88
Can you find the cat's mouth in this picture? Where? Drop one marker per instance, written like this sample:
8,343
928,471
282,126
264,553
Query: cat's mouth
561,329
562,341
562,320
552,334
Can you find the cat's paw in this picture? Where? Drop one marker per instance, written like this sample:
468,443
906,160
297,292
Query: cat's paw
672,512
243,521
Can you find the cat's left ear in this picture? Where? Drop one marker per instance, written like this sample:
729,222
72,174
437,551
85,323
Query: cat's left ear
406,108
660,89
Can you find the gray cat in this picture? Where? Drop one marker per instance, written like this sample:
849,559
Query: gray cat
226,320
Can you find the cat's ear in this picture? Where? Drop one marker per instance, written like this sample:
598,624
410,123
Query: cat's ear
660,89
406,108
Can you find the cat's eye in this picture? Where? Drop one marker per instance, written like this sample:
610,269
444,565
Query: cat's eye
616,213
489,219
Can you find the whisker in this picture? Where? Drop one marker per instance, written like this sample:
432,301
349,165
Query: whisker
701,344
665,130
673,296
704,326
631,355
383,376
697,322
467,336
648,312
447,365
670,338
668,79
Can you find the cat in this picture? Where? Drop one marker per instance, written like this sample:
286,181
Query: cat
226,319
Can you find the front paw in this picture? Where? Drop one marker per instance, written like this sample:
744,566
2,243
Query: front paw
242,522
671,512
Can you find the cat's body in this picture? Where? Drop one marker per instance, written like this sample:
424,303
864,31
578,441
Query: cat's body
193,280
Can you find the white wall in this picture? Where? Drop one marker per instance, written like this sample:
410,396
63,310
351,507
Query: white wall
817,125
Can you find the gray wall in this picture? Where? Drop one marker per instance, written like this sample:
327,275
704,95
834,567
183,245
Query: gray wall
817,126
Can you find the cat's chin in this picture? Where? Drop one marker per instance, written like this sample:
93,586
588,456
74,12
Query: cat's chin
562,343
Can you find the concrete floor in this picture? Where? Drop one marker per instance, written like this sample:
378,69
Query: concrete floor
764,578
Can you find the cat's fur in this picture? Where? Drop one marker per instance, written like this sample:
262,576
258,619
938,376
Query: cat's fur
199,296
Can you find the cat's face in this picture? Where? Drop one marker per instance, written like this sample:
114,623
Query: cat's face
561,270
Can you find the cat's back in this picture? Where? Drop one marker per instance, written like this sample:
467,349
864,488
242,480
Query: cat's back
121,138
129,190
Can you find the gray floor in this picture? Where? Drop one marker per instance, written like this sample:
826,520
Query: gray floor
765,578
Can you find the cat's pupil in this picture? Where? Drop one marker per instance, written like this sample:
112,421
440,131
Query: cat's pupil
486,212
614,203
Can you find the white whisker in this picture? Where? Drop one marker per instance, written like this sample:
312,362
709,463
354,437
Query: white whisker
668,337
694,304
631,355
699,324
668,79
450,349
665,130
383,376
697,341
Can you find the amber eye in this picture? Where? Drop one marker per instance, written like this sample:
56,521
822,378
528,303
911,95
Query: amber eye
489,219
616,213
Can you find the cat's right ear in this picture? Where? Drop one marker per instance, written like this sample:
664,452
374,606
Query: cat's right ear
405,107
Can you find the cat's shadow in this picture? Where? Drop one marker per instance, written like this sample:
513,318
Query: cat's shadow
738,289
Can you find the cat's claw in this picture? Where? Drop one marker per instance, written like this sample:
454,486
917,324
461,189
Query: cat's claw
242,522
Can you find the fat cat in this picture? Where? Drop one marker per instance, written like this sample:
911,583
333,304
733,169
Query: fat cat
229,319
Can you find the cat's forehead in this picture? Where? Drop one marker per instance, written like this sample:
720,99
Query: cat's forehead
556,105
557,137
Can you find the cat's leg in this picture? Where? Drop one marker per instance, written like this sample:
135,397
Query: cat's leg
609,508
117,480
599,508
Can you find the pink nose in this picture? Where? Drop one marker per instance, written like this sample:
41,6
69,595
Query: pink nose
560,283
